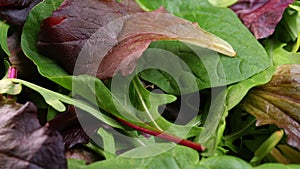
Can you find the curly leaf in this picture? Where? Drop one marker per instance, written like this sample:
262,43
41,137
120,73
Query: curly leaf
278,102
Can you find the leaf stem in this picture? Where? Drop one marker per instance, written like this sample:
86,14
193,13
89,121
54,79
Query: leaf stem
164,135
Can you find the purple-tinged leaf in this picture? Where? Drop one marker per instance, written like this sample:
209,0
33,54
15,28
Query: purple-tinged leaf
261,16
26,69
278,102
16,11
23,142
118,34
15,3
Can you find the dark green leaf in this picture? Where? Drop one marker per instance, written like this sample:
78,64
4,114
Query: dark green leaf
214,125
3,37
176,158
211,69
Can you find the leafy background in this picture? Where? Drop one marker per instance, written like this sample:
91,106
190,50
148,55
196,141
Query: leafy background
222,125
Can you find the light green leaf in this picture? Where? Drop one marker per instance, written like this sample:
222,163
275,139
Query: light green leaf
277,166
222,3
266,147
7,86
108,144
211,69
3,37
236,92
75,164
279,55
57,100
225,162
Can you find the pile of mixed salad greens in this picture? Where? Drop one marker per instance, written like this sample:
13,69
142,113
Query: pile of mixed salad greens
150,84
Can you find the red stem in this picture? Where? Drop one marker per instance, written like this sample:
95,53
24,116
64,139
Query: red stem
165,136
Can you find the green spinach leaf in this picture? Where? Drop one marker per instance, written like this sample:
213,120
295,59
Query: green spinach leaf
210,68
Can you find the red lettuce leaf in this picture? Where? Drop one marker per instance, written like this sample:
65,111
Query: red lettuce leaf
16,11
117,35
23,142
278,102
261,16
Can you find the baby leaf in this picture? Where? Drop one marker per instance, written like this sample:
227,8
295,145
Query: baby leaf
277,102
112,28
3,37
209,68
261,16
23,142
16,11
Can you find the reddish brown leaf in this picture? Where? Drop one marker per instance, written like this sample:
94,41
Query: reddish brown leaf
278,102
261,16
23,142
112,37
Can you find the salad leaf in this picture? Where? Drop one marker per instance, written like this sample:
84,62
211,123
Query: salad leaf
209,68
266,147
222,3
214,125
24,143
9,87
56,100
15,3
277,102
63,38
3,37
178,157
289,26
279,56
16,11
261,16
109,146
